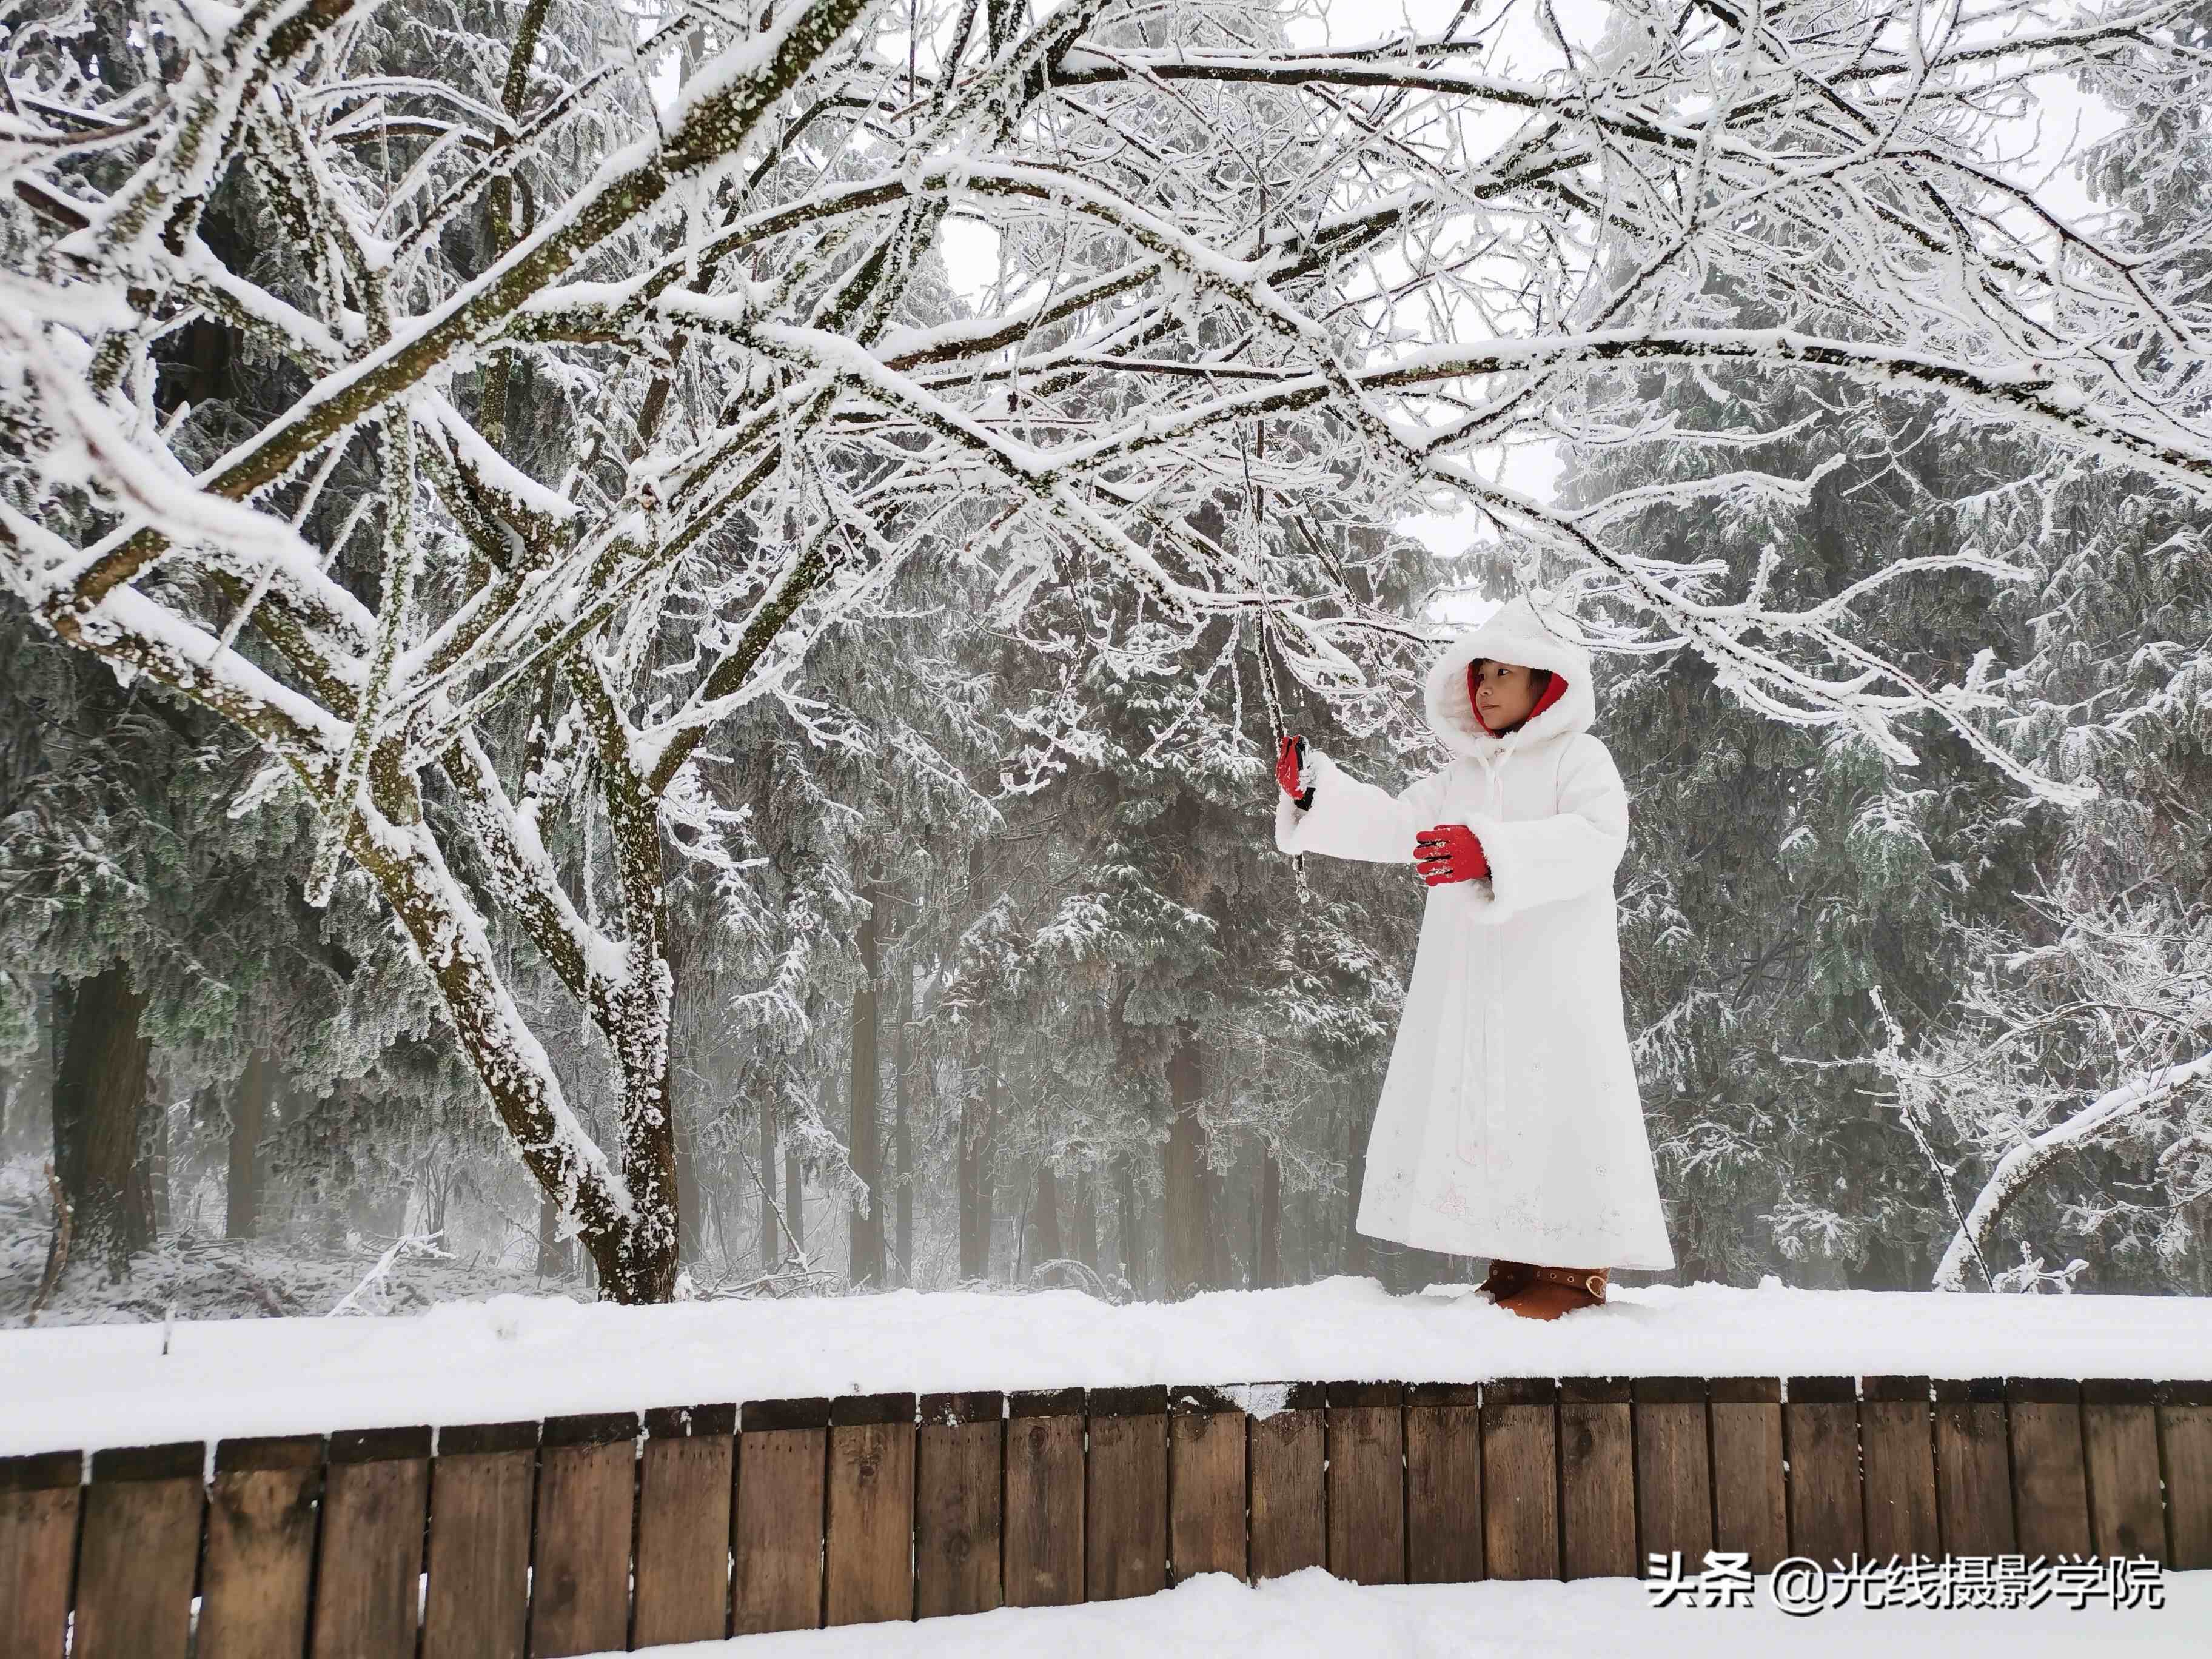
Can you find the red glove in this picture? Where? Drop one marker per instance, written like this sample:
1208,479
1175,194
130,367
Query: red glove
1290,761
1449,853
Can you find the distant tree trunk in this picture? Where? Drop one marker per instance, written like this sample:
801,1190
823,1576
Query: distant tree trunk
717,1201
902,1137
1355,1158
379,1215
1133,1243
1046,1210
48,1062
863,1261
1184,1169
431,1192
99,1105
65,1112
1267,1245
978,1120
1220,1257
771,1240
691,1213
155,1167
249,1116
552,1253
1086,1221
794,1193
34,1080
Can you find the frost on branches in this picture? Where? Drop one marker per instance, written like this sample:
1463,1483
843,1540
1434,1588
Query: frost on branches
626,336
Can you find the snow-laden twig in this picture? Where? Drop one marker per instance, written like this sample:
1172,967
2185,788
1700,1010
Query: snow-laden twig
372,1285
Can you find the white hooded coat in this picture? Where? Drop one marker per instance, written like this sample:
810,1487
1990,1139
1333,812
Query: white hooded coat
1511,1124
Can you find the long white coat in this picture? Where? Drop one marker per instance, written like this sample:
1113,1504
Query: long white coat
1511,1124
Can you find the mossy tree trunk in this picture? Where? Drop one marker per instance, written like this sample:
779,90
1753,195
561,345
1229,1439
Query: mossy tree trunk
100,1116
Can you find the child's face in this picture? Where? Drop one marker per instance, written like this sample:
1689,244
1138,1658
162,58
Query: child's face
1503,693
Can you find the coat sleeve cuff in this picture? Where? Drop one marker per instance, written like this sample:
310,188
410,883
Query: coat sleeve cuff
1536,861
1292,833
1348,819
1288,820
1503,896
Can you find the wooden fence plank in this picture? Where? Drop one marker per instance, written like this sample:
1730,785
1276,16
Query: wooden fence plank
1125,1494
1384,1484
368,1562
1673,1473
1443,1483
1289,1522
685,1475
2119,1442
1597,1478
2184,1433
1205,1483
1973,1468
777,1537
1043,1526
1365,1425
868,1567
483,1487
957,1460
39,1500
2050,1492
1750,1504
1897,1436
579,1569
260,1557
1520,1477
140,1550
1821,1437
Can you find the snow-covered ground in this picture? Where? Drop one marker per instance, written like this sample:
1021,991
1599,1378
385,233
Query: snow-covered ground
516,1357
192,1276
1309,1615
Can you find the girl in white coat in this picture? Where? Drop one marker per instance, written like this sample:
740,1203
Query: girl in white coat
1511,1125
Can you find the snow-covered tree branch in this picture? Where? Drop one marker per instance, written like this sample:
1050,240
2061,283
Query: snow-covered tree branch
2018,1168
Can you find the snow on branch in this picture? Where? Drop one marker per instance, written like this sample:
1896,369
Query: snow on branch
2017,1169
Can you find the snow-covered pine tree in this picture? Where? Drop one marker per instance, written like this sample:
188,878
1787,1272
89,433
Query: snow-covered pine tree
1782,879
2079,1073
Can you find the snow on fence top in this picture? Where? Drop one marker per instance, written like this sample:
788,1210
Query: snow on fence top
515,1357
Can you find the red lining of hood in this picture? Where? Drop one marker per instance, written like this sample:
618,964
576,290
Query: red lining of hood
1551,695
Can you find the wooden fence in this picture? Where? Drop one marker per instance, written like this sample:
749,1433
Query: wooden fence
583,1533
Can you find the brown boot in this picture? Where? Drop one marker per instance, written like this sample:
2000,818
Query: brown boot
1506,1278
1555,1291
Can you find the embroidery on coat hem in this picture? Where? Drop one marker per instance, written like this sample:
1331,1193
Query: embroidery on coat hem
1519,1214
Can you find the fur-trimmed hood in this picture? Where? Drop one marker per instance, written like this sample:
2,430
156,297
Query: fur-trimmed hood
1517,631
